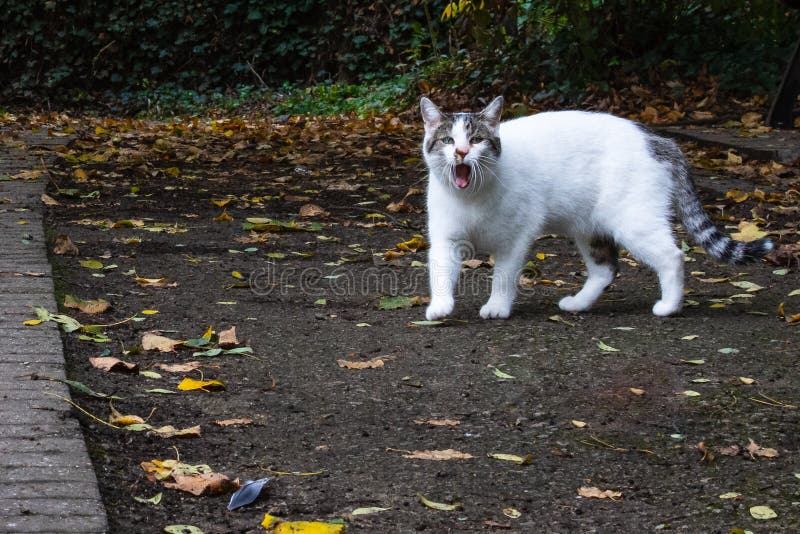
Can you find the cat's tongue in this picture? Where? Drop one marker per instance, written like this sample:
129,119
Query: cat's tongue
462,173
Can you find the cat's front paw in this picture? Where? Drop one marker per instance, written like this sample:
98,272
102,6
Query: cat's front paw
573,304
439,308
495,310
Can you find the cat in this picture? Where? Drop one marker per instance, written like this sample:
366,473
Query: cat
604,181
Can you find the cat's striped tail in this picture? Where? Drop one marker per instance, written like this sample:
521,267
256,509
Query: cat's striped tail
703,230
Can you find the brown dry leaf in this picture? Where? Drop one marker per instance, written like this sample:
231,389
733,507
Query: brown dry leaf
49,201
754,449
731,450
63,246
30,174
437,422
447,454
390,255
202,484
372,363
751,119
243,421
597,493
151,341
636,391
401,207
170,431
312,210
154,282
86,306
113,365
227,338
179,367
708,456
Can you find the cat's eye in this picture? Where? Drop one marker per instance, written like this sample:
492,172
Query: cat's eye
476,140
447,140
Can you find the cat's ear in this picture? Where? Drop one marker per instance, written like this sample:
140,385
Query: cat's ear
430,114
493,111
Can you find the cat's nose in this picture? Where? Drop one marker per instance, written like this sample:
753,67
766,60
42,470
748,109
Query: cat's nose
462,152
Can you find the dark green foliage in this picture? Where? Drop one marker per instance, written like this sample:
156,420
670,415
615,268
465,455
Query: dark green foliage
184,54
64,50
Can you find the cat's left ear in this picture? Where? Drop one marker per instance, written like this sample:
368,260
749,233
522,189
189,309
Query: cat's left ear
492,112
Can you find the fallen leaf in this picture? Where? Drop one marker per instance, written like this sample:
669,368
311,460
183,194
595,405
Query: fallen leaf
372,363
154,282
227,338
233,422
730,495
155,499
437,422
113,365
500,374
597,493
746,380
223,217
754,449
414,244
731,450
690,337
578,424
179,367
455,505
519,460
447,454
170,431
182,529
636,391
86,306
151,341
512,513
688,393
693,362
128,223
92,264
397,302
748,231
368,510
202,484
32,322
49,201
750,287
277,525
190,384
728,350
559,319
117,418
312,210
762,512
606,348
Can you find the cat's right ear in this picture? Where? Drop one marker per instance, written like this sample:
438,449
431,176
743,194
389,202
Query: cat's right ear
430,114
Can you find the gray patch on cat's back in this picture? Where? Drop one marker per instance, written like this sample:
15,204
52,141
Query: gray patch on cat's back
662,149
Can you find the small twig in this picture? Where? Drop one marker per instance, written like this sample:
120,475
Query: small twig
291,473
257,75
772,402
82,410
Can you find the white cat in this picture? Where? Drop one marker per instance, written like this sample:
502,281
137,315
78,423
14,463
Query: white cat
604,181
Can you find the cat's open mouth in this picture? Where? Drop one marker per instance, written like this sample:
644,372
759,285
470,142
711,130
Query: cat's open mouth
461,175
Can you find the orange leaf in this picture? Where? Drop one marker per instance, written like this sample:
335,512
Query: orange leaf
111,364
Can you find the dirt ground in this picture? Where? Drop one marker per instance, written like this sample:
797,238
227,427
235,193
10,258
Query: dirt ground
542,383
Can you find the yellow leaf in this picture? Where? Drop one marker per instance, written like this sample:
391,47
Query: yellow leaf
172,171
190,384
762,512
277,525
223,217
32,322
412,245
237,275
208,333
92,264
149,312
80,175
221,202
746,380
748,231
578,424
636,391
455,505
116,418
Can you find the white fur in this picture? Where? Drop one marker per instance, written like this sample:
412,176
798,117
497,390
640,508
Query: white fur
572,173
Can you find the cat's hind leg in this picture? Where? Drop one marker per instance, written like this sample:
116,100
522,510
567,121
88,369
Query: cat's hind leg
600,255
658,250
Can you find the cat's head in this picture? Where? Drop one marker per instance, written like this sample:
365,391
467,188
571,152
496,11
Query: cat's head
460,148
